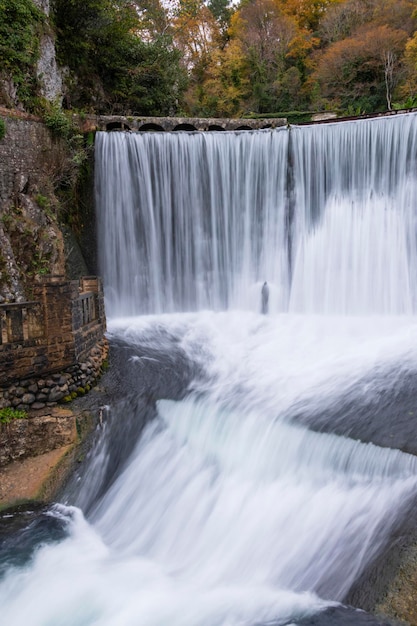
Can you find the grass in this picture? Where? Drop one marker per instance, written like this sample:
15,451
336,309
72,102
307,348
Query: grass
8,414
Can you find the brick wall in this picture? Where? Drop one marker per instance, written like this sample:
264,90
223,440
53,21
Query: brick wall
53,348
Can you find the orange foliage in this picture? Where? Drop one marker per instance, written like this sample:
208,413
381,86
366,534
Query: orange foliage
308,13
354,67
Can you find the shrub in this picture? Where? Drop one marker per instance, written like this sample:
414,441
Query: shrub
8,414
2,129
57,122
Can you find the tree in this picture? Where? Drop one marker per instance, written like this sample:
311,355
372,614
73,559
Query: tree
119,60
264,34
361,70
390,60
197,37
308,13
342,19
222,13
408,89
227,85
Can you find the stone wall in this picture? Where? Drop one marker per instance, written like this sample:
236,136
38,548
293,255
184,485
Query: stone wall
52,349
31,241
28,155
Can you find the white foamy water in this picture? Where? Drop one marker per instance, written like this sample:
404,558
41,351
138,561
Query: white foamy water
229,512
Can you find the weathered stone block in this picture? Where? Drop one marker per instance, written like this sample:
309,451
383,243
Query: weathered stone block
55,395
28,398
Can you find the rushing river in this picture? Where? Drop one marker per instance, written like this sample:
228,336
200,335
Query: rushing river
228,510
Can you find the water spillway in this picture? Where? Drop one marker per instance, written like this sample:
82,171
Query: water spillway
226,509
324,214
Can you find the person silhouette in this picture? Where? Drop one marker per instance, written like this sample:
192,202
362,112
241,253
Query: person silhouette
264,298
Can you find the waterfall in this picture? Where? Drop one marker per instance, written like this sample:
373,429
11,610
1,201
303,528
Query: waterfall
225,509
325,214
356,212
191,221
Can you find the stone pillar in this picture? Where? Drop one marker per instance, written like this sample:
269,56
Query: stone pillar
56,295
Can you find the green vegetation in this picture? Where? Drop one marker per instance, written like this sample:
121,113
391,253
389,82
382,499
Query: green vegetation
2,129
56,120
112,67
40,265
8,414
21,24
42,201
212,57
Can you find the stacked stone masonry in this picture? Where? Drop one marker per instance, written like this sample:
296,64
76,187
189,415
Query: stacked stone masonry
53,349
28,154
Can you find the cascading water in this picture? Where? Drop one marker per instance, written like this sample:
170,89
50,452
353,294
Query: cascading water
192,221
325,215
227,511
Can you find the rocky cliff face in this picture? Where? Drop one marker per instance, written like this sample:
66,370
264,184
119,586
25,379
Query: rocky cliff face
50,76
31,72
31,240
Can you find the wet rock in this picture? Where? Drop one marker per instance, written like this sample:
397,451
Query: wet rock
341,616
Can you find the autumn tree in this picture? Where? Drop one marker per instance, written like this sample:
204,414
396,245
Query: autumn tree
361,71
275,49
342,19
197,37
308,13
408,90
227,88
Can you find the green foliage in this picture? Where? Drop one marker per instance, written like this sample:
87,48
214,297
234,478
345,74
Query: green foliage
40,265
409,103
8,414
90,139
20,27
110,64
2,129
42,201
56,120
353,111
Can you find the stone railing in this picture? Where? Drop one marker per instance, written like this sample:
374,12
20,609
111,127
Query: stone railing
52,348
